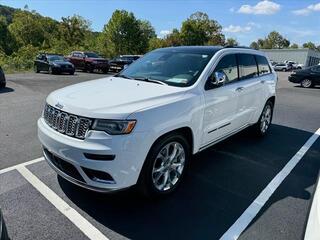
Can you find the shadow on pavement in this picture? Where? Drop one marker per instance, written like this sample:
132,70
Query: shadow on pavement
6,90
222,182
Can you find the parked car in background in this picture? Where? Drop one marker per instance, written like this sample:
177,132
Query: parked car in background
2,79
141,126
3,228
307,78
88,61
53,64
282,67
294,65
118,63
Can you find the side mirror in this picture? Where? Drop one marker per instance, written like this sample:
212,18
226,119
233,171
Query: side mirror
125,66
217,79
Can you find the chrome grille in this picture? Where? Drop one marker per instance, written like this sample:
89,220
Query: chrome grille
71,125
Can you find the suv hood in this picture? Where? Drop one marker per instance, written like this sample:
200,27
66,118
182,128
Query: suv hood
112,98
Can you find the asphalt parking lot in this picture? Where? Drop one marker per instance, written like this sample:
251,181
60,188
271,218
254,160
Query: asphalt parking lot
223,182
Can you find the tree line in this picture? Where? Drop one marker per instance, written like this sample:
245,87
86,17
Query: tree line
25,33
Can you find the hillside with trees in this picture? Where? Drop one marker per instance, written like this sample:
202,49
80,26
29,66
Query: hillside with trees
25,33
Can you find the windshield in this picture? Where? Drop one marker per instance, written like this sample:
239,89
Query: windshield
55,58
92,55
173,68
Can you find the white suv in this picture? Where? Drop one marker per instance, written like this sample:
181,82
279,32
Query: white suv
142,126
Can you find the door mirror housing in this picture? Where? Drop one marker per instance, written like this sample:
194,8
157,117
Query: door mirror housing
217,79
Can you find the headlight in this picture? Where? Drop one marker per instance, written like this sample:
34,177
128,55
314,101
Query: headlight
114,127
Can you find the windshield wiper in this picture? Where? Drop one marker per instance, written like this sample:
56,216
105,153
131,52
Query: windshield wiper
123,76
149,80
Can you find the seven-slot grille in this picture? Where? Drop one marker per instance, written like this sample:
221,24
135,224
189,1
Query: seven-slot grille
71,125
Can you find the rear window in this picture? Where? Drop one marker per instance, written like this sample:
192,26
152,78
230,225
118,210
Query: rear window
247,66
263,65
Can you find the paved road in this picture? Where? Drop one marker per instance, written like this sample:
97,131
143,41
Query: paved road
224,180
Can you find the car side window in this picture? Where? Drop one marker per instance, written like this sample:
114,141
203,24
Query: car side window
316,69
263,65
247,66
228,65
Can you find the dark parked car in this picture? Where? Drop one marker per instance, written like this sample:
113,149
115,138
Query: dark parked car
88,61
2,79
118,63
3,229
53,64
307,77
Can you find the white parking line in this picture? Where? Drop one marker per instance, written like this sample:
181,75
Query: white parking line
21,165
248,215
83,224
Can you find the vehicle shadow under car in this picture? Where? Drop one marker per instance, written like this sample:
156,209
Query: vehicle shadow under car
222,182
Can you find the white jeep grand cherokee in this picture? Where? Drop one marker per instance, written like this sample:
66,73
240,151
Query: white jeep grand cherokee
142,126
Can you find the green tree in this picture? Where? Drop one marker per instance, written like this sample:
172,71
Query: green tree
155,43
231,42
294,45
309,45
276,40
7,42
74,30
124,34
173,38
254,45
27,29
198,29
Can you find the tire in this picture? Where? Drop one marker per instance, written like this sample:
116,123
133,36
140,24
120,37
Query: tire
284,70
306,83
105,70
2,84
158,168
50,70
261,128
36,70
72,73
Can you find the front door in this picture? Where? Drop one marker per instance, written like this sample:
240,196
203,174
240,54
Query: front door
221,102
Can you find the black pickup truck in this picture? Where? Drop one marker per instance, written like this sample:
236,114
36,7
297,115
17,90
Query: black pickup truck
118,63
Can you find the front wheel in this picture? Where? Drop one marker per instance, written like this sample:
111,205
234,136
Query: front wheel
306,83
262,126
165,166
36,69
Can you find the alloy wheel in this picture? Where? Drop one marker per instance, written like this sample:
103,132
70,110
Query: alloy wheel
265,118
306,83
168,166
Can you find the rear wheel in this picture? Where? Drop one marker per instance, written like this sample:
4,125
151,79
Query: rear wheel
306,83
284,70
2,84
262,126
105,70
165,166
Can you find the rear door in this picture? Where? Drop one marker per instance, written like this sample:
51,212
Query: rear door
250,90
315,73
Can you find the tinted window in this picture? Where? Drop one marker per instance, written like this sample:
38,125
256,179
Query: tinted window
228,65
263,65
316,69
248,66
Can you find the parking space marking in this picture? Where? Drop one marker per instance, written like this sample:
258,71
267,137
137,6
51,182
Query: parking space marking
21,165
79,221
249,214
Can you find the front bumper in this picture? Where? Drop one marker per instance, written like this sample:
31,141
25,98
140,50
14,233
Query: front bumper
129,151
294,79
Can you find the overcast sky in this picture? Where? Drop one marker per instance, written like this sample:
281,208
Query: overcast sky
299,21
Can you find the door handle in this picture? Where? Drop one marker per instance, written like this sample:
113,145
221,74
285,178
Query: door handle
239,89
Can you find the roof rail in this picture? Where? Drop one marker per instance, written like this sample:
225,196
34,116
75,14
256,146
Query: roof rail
231,46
